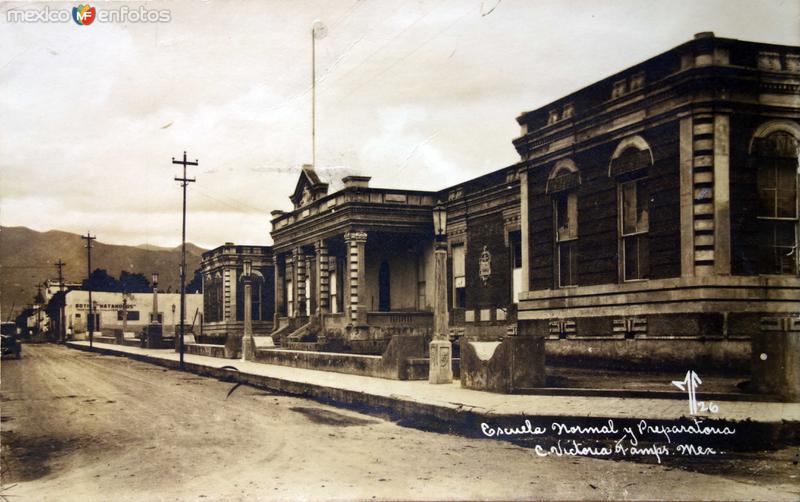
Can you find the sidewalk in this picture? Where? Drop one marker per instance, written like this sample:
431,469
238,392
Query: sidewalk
453,405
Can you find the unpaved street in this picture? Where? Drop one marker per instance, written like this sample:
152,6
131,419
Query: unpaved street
80,426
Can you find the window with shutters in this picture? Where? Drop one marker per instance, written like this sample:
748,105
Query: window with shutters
565,215
776,164
634,226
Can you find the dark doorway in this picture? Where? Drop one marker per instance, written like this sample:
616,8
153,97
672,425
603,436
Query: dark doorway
384,301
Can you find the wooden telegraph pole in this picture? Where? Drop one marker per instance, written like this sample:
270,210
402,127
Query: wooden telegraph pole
184,183
90,321
61,320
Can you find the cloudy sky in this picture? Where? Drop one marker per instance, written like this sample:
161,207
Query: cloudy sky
418,94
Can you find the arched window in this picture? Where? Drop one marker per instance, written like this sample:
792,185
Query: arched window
562,185
774,152
629,165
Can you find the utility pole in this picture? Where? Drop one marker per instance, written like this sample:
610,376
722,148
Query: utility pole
184,183
90,321
61,320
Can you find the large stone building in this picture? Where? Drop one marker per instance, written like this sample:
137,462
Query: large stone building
652,219
659,206
223,291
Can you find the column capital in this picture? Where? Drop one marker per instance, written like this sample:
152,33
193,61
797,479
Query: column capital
355,236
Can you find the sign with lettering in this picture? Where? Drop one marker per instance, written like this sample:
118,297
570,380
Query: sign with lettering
485,265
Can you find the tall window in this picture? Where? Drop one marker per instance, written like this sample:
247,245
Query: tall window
422,301
459,277
515,242
289,298
634,225
776,158
333,277
565,209
255,298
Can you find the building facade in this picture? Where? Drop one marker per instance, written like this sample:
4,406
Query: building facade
660,213
223,290
652,219
112,309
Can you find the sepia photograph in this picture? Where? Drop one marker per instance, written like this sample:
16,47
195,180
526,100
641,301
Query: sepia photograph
415,250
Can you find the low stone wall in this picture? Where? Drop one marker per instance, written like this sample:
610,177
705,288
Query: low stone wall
204,349
418,368
516,362
728,356
221,329
393,364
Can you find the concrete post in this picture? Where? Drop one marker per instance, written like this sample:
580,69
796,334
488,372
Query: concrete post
154,320
248,345
441,350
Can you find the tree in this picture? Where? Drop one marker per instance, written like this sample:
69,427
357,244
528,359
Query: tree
134,283
99,280
196,286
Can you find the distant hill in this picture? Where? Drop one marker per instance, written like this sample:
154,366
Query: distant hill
27,258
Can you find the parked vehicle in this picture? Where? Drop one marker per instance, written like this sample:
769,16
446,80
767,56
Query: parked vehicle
11,346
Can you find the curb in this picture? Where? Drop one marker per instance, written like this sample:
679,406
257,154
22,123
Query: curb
453,418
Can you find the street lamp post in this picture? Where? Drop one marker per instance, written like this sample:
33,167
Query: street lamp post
124,316
247,338
441,350
154,315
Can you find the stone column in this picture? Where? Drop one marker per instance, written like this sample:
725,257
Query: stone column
323,278
279,300
356,277
722,213
299,265
524,230
311,291
441,353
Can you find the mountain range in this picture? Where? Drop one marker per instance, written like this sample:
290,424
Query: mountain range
28,258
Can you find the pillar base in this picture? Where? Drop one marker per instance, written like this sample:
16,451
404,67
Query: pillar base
152,336
441,362
248,348
775,364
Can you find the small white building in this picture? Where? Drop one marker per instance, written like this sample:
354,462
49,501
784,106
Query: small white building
110,309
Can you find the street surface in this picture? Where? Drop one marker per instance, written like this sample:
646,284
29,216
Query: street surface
81,426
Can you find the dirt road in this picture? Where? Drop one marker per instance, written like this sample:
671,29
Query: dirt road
80,426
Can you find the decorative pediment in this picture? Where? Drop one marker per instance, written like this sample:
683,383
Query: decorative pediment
309,188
